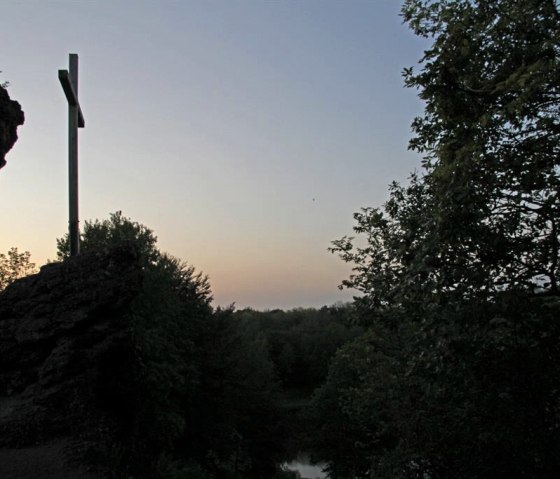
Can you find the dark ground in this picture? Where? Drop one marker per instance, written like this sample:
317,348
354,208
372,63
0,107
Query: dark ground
45,461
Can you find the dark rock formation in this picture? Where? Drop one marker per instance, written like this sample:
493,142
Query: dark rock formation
11,116
64,334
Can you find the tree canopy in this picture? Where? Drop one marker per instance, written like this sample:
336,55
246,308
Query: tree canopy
482,215
198,396
112,231
458,272
15,265
490,138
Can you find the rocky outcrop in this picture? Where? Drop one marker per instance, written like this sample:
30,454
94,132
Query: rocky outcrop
64,336
11,116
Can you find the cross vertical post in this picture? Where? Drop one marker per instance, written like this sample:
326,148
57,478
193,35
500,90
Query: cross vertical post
69,82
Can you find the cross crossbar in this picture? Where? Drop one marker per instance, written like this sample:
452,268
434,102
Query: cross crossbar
71,96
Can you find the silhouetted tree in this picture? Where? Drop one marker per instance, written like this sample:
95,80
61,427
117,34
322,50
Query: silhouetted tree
110,232
15,265
457,375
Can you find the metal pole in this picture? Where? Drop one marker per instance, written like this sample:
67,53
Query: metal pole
73,226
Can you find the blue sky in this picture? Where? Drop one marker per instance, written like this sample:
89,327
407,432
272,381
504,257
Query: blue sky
244,133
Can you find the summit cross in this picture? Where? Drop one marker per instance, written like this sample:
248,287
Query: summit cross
69,82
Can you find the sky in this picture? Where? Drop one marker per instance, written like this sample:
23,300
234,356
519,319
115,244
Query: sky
244,133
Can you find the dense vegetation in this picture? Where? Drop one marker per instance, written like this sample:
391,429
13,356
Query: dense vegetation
209,392
14,265
458,372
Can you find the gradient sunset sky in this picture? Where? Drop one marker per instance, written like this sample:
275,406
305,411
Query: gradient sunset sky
245,133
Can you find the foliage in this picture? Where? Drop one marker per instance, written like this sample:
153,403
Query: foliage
490,137
168,318
197,397
483,216
118,228
159,373
15,265
393,265
168,468
299,345
470,393
354,410
301,341
239,405
457,374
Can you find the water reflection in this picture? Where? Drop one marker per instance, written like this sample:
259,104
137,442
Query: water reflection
306,470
